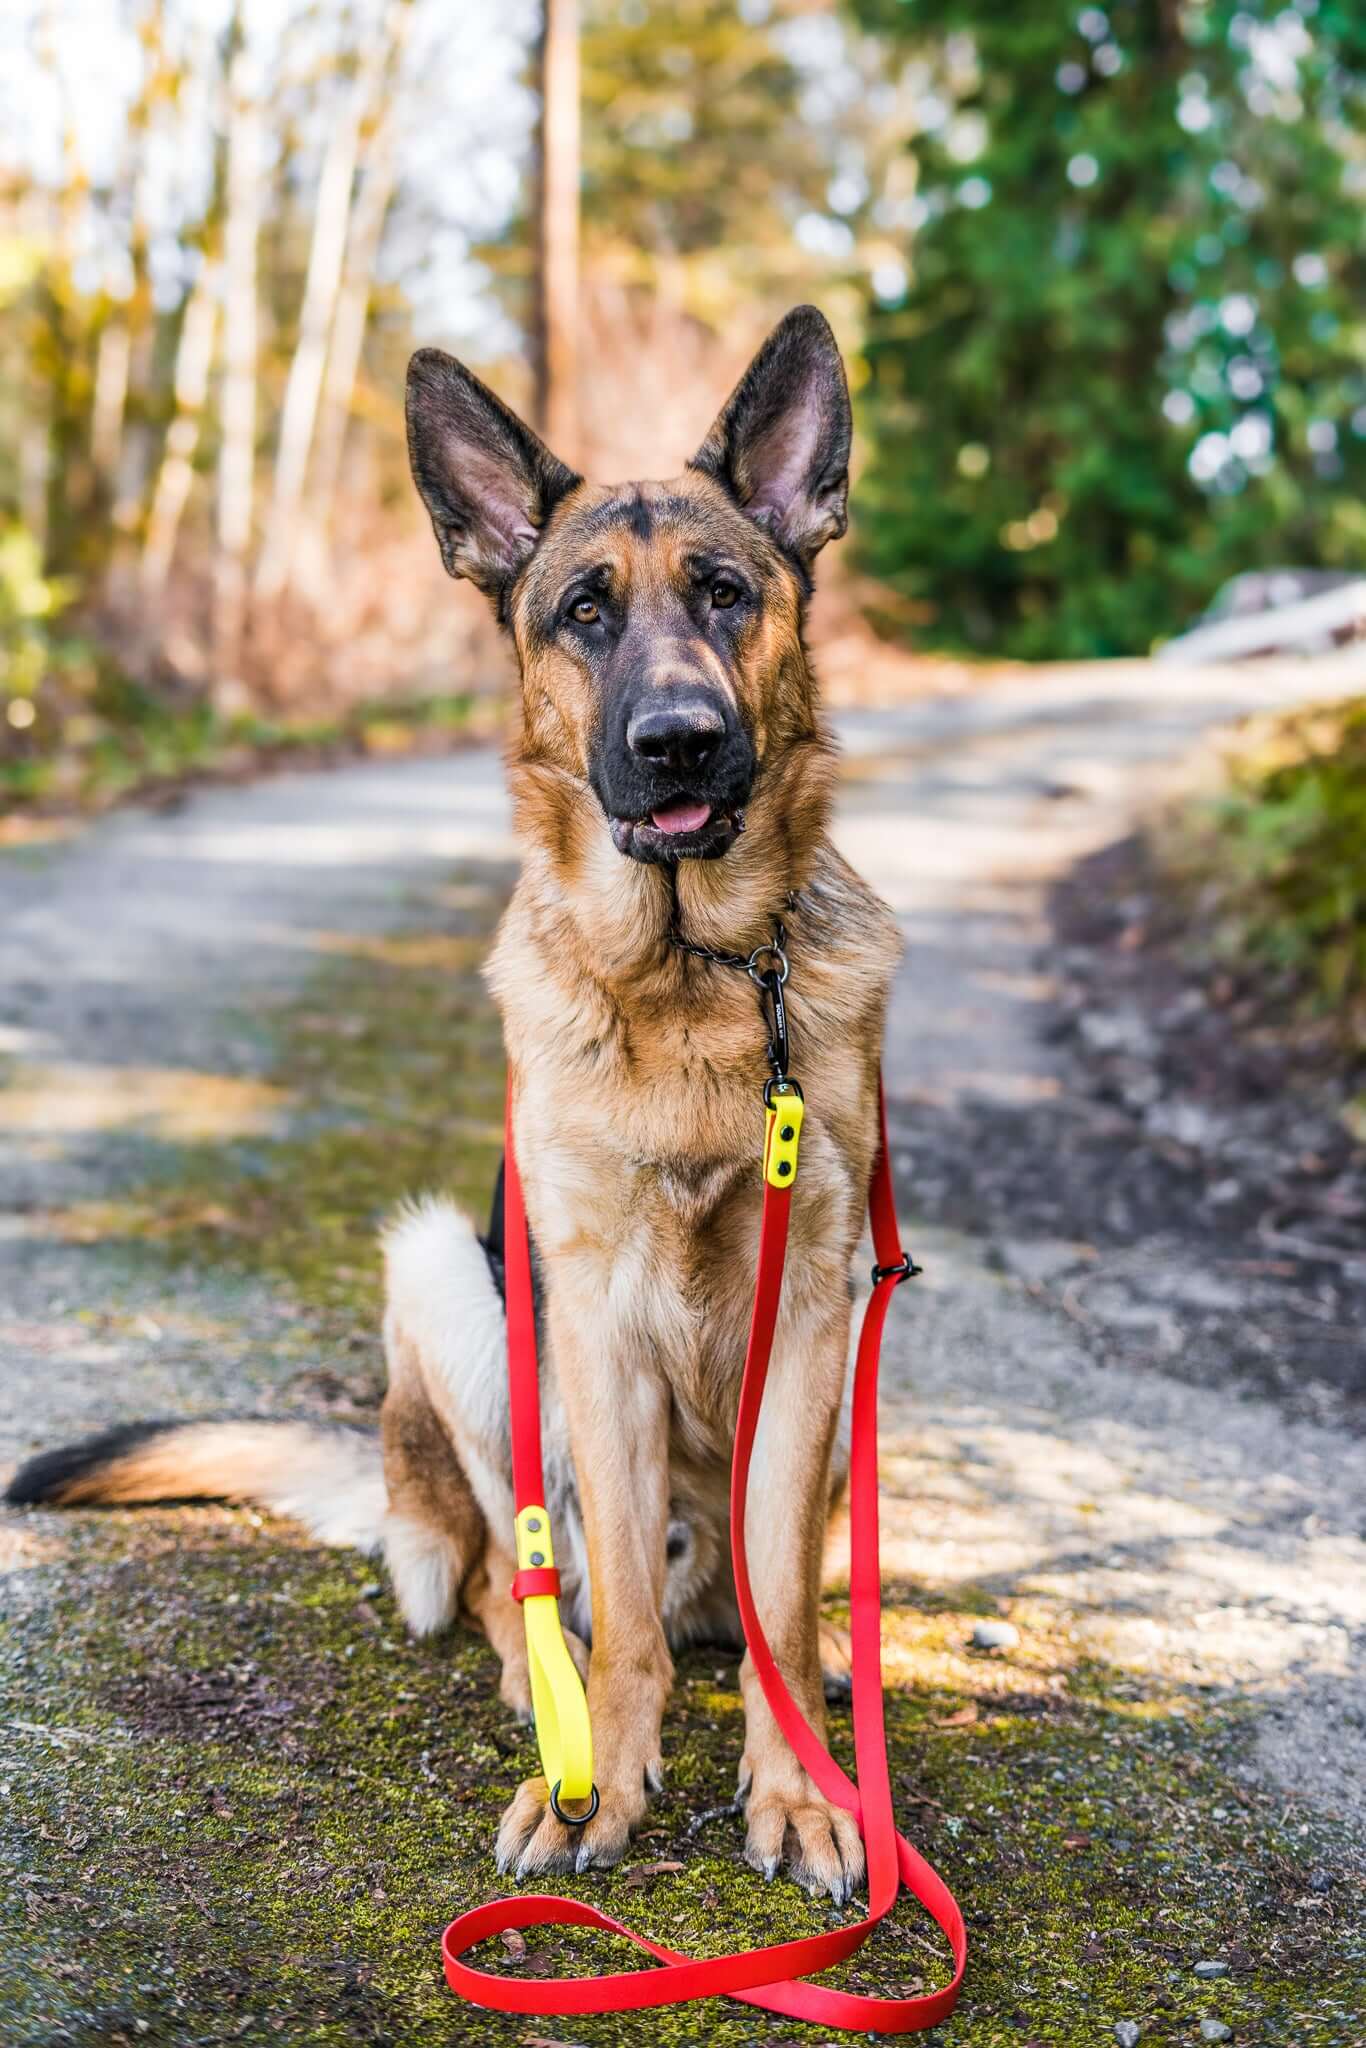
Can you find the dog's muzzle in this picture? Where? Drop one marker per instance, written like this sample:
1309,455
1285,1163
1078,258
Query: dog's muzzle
674,775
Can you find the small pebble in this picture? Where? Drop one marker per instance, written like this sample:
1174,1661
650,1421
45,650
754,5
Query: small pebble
371,1590
1208,1970
1321,1881
1214,2030
1127,2033
995,1635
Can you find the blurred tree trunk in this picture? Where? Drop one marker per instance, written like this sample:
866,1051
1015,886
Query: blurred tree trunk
194,358
303,385
61,340
556,317
123,363
237,408
366,232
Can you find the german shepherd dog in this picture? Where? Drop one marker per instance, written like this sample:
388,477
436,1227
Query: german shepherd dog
672,778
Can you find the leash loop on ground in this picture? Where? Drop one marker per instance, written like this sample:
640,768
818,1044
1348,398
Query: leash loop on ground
769,1978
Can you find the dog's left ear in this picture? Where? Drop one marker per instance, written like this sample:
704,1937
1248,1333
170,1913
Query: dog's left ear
780,444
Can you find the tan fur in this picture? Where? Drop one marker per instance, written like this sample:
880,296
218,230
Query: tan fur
637,1073
329,1479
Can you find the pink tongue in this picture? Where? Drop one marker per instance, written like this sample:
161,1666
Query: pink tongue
681,817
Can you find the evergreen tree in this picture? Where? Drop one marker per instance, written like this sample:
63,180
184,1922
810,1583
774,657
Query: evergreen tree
1130,360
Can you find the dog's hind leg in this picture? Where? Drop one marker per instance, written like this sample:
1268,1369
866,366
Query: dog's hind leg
434,1532
447,1452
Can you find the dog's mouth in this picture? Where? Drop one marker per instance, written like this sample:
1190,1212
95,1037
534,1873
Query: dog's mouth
684,828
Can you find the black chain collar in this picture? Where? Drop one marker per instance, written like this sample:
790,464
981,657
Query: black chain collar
767,967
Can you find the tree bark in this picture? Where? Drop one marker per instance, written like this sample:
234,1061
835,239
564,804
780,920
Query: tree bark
556,328
194,357
352,312
237,452
303,388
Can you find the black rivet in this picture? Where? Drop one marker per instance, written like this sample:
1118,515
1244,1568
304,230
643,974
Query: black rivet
784,1166
787,1132
533,1523
538,1557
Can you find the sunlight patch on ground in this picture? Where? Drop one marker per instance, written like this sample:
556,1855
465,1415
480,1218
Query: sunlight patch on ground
346,844
174,1104
441,950
1000,1087
22,1547
1145,1575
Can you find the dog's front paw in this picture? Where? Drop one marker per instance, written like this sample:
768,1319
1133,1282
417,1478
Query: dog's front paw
531,1840
788,1820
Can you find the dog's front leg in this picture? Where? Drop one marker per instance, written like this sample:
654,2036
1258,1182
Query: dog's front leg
618,1414
784,1537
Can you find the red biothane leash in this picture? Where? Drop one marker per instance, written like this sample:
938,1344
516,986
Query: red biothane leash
764,1977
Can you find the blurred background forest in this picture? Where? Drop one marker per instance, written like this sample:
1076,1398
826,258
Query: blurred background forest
1100,273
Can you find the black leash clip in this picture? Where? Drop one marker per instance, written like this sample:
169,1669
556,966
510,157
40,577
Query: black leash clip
769,981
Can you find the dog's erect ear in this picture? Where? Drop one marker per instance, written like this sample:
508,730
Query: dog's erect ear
488,482
780,444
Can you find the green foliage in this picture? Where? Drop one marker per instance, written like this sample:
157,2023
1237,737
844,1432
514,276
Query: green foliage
46,674
1284,852
694,151
1129,362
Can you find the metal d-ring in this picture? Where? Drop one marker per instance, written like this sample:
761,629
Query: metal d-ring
772,949
904,1269
572,1820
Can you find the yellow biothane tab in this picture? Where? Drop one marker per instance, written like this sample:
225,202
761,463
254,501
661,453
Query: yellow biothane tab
534,1546
564,1734
782,1136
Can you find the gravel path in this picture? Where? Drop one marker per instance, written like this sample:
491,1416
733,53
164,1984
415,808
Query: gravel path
1173,1527
1188,1530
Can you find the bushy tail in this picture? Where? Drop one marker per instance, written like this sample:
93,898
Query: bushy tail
328,1478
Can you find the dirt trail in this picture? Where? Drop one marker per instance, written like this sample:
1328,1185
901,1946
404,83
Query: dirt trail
1198,1543
1176,1528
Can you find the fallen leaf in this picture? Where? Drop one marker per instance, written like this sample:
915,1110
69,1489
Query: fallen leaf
514,1941
643,1872
964,1718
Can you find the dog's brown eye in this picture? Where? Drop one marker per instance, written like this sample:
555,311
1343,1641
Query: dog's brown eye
584,610
724,594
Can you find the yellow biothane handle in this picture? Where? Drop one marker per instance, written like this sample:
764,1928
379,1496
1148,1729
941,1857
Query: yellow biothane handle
564,1735
782,1134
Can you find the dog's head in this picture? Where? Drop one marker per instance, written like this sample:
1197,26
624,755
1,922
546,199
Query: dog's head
657,625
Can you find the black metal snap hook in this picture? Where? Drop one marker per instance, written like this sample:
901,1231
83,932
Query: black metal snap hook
774,1009
573,1820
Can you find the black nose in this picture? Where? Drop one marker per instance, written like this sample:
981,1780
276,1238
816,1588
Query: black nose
682,737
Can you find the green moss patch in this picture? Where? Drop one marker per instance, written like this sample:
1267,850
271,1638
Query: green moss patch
242,1804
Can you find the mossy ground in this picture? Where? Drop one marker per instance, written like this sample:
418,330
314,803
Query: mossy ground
239,1803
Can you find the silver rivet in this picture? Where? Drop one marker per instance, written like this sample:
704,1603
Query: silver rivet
538,1557
533,1523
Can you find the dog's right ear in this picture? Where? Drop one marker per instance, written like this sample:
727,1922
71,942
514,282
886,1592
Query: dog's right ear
487,481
